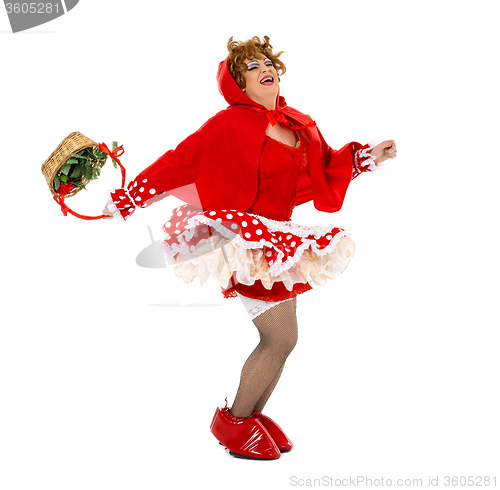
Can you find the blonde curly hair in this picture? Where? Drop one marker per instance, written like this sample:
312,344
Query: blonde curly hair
239,51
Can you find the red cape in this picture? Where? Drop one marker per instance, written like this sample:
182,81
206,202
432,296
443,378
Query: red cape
222,158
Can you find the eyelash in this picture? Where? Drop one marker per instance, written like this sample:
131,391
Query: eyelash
267,64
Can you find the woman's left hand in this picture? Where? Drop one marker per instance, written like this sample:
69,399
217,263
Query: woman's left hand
108,213
384,150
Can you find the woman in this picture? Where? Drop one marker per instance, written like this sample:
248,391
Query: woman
242,173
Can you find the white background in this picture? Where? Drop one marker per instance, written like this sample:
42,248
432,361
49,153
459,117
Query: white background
110,373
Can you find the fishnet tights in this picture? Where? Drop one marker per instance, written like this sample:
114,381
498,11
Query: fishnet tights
262,370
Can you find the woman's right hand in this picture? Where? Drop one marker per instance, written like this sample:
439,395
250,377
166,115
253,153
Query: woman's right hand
107,212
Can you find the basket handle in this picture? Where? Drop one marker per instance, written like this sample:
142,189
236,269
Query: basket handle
117,152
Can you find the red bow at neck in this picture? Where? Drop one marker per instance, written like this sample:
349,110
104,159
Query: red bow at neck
276,116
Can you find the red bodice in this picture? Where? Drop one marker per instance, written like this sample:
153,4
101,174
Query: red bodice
279,169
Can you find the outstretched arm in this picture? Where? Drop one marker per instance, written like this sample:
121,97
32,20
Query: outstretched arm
122,203
362,158
174,173
340,168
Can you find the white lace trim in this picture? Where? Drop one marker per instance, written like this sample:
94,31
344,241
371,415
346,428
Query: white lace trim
273,225
255,307
117,217
290,227
279,266
368,164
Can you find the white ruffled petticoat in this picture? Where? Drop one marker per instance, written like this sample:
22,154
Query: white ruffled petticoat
220,243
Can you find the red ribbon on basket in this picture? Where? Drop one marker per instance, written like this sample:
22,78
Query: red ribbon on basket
117,152
114,155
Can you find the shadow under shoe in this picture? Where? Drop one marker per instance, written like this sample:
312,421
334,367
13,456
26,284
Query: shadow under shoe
275,431
245,438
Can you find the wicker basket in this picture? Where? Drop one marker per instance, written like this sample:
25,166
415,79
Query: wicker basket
73,143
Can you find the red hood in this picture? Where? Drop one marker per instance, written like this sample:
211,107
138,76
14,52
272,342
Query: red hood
233,94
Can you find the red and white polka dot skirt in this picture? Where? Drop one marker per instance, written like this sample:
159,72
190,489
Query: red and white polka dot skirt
232,245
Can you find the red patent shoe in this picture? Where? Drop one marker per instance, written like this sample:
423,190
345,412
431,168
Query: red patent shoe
244,437
276,432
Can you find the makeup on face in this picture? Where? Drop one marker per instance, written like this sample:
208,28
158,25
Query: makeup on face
255,64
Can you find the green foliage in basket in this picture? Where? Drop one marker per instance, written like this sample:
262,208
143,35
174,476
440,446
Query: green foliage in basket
82,164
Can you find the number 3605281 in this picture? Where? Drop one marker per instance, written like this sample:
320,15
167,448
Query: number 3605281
32,8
